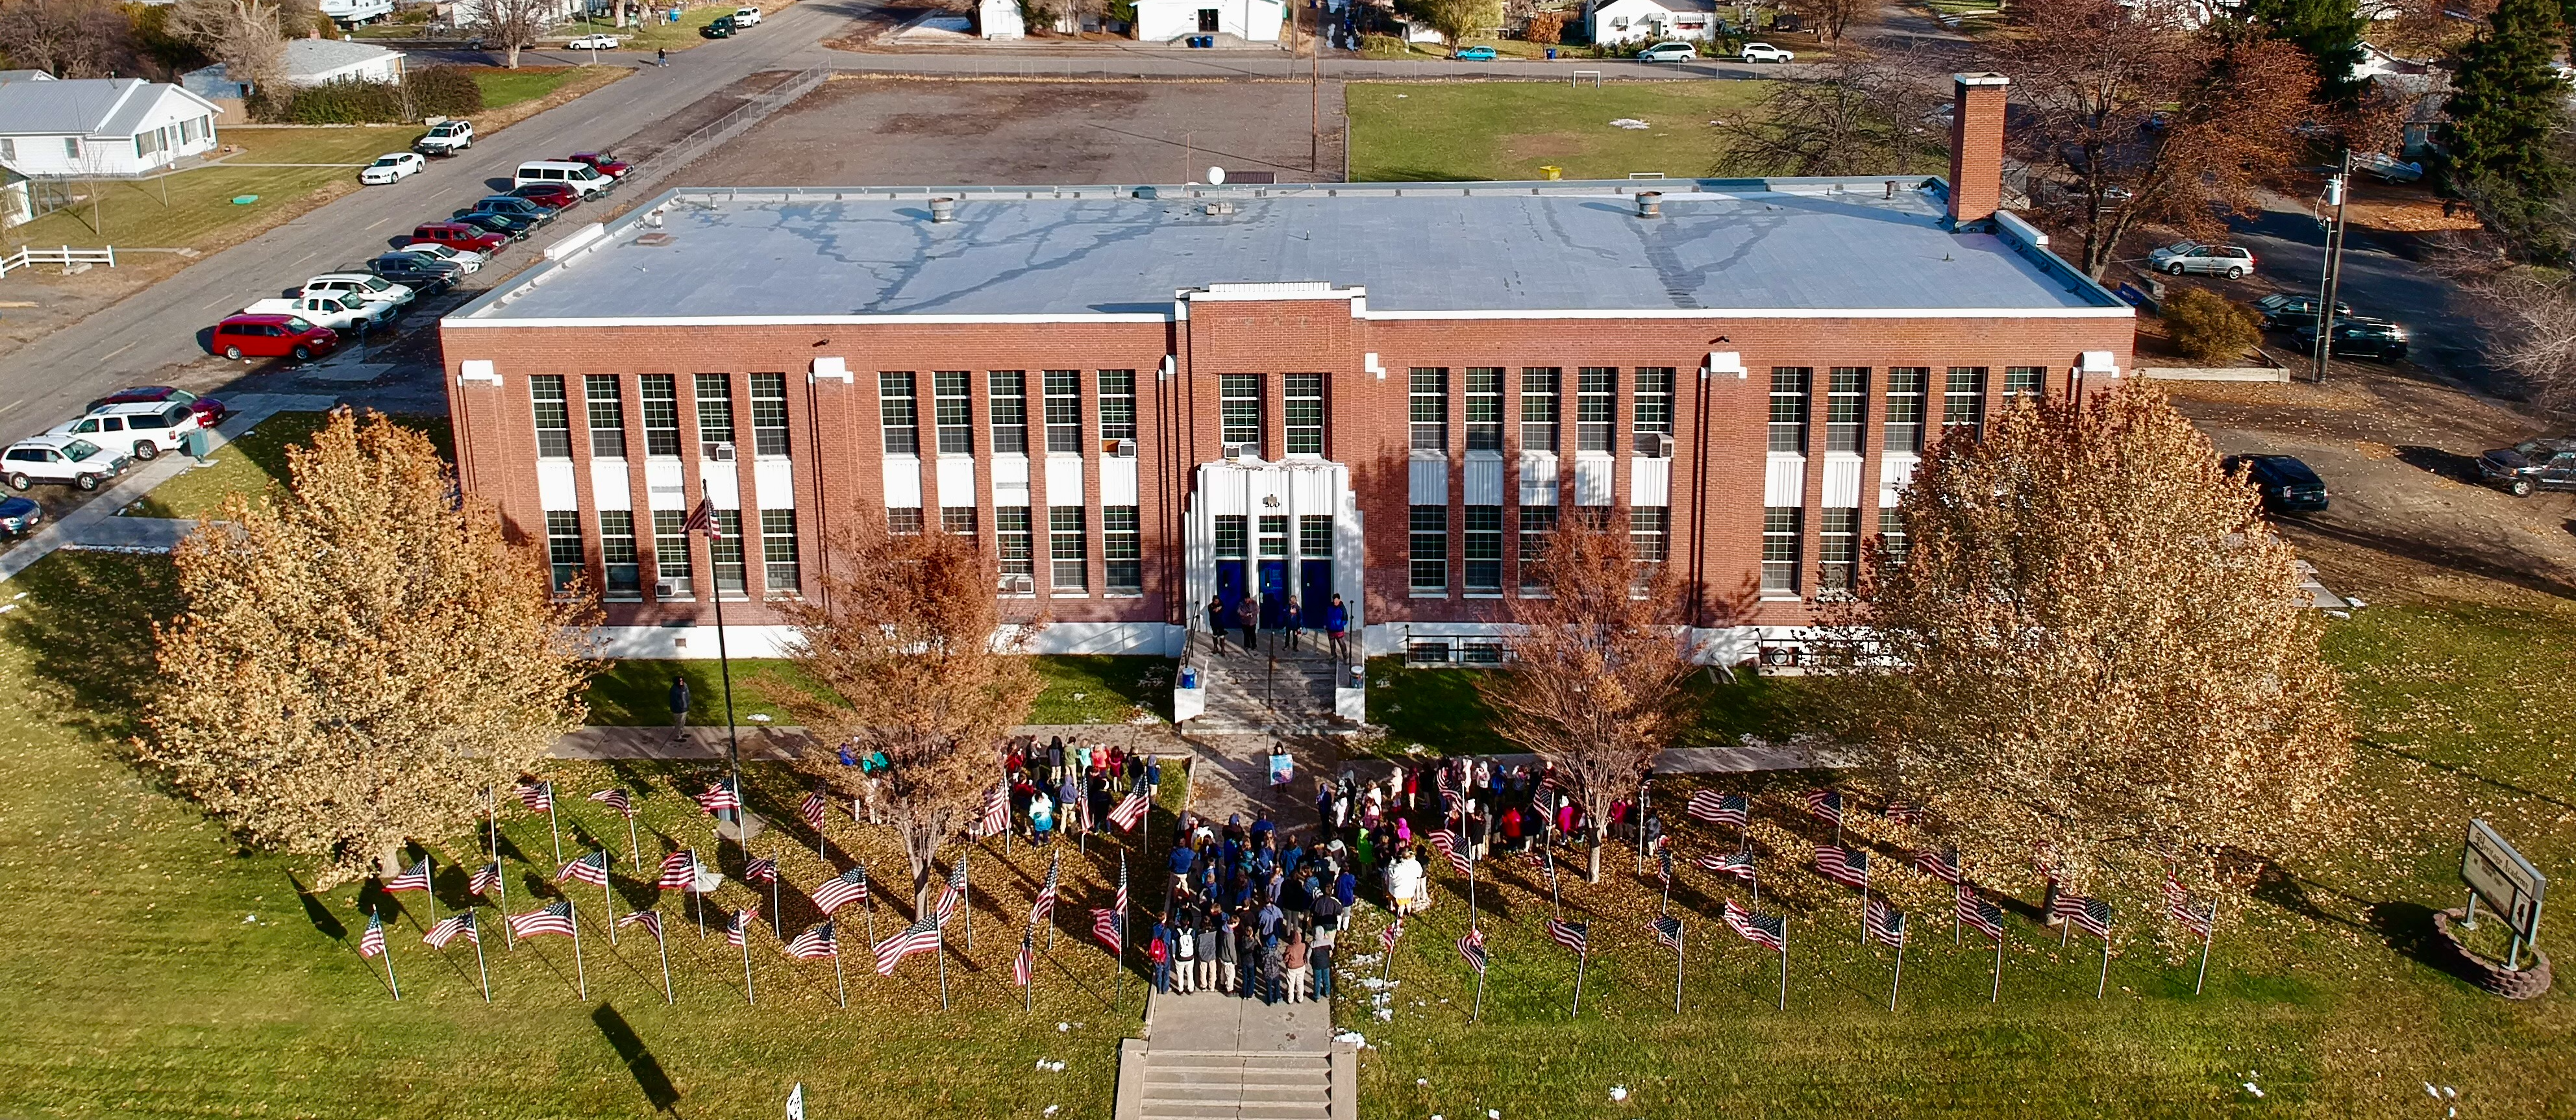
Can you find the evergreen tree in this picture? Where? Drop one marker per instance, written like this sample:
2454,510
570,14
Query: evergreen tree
2506,108
2328,32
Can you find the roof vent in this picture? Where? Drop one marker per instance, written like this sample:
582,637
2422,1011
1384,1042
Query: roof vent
1650,204
943,210
654,239
1219,209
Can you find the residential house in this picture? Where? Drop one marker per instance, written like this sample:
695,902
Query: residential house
1000,19
309,62
100,127
1255,21
1652,21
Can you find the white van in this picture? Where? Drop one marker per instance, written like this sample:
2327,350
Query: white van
579,176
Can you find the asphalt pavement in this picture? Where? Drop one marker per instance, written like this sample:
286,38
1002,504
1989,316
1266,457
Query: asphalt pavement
2383,277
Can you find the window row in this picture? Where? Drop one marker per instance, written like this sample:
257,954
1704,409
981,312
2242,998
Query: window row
1060,412
1481,545
602,409
1847,397
1068,545
621,553
1837,547
1542,393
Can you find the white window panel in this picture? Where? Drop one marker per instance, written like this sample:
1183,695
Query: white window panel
1895,473
1650,482
608,485
902,482
723,483
1538,478
1484,480
1842,481
1118,481
956,481
1010,480
1592,480
1064,480
555,485
1430,482
663,484
774,480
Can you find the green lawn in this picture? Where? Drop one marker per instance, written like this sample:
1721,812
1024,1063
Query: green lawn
255,463
683,35
503,88
1440,710
1509,130
1078,690
200,214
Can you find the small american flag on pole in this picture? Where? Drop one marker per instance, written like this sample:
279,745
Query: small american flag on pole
997,811
1572,935
2178,907
1044,907
720,797
1668,932
1942,864
1446,842
615,799
1738,864
761,870
1104,927
1885,924
920,936
2063,903
555,919
1025,964
701,519
1394,932
815,944
1664,863
953,895
1826,805
1978,914
2093,917
841,890
1848,866
591,869
812,810
651,920
372,942
1130,811
484,879
740,928
1730,809
539,797
679,871
1121,901
1471,949
1902,811
413,878
450,928
1769,930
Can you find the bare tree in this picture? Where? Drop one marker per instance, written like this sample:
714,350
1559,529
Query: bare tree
1830,17
1593,684
244,35
67,38
512,25
1455,20
2137,116
1862,113
2533,314
905,641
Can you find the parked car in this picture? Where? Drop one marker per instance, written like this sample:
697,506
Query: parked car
1765,52
2533,464
2281,309
2361,337
466,261
361,285
552,196
2191,256
392,166
1668,52
445,138
579,176
515,207
345,313
458,235
19,516
273,336
2388,169
746,17
149,429
601,162
66,459
414,270
722,27
593,42
1474,54
2286,484
506,225
210,411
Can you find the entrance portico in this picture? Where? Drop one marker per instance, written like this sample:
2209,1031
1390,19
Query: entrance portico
1276,529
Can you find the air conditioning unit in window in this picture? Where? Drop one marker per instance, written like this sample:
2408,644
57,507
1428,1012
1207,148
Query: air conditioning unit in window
1123,448
1019,585
670,589
718,452
1656,445
1238,450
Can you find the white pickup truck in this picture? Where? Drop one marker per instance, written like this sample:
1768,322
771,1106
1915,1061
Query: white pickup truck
340,313
445,138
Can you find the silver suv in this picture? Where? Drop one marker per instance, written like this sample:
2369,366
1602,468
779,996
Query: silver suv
2180,257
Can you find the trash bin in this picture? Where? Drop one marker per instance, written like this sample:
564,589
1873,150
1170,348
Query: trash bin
1551,173
1189,676
1551,54
195,444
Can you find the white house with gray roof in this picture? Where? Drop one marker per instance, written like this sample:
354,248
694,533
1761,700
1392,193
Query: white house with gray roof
103,127
1652,21
308,62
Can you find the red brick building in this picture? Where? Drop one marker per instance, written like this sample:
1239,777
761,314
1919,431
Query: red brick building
1140,397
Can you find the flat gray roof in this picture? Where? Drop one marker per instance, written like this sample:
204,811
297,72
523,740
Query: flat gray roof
1786,247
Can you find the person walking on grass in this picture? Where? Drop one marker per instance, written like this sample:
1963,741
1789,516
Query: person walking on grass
679,707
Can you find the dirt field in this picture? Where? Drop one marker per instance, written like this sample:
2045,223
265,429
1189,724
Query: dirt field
856,132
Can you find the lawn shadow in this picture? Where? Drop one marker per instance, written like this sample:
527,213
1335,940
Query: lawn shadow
638,1058
87,618
318,911
2407,927
2447,464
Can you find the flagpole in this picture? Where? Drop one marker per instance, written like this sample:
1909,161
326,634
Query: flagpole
1052,865
872,904
1864,912
1029,991
1549,851
1899,982
1677,973
1580,959
941,932
733,735
774,919
479,968
697,902
665,948
2099,986
390,981
607,901
747,995
838,982
1958,891
550,823
634,851
1998,993
1784,962
581,975
2208,928
1479,1012
966,897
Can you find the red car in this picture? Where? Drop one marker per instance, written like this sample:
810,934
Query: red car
552,196
602,162
458,235
210,411
273,336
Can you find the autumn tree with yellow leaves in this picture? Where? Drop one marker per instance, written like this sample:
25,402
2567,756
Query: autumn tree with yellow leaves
360,656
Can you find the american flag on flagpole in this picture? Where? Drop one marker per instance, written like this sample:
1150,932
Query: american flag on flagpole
1572,935
812,810
372,942
1121,902
450,928
997,811
1044,907
1447,844
1025,964
615,799
1129,811
1902,811
701,519
1104,927
484,879
1394,932
651,920
1738,864
539,797
1826,805
1731,809
743,920
1664,863
2093,917
679,871
1942,864
1978,914
414,878
1848,866
1668,932
555,919
1471,949
2063,903
2178,906
761,870
1883,923
920,936
841,890
591,869
815,944
1770,930
953,895
720,797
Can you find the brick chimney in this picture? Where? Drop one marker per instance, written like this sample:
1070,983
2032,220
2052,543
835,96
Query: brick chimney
1976,147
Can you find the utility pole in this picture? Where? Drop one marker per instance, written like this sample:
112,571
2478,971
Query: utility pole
2338,192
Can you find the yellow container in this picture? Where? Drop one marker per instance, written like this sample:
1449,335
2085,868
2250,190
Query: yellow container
1552,174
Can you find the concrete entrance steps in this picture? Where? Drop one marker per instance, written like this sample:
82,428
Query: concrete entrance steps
1200,1086
1210,1056
1273,691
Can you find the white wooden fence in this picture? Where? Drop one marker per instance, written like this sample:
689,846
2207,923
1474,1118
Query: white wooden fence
27,255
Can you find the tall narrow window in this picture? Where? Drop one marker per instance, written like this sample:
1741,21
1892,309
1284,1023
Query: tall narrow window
601,398
1274,536
1654,402
769,414
1314,537
1430,408
715,411
1067,547
2025,383
1010,408
1064,411
1011,541
900,413
1484,548
1650,533
1963,400
725,552
904,521
661,396
1430,552
1596,408
778,552
1846,408
618,560
1117,404
952,393
1239,409
1538,407
1780,546
563,545
1121,550
1837,548
1301,407
1891,535
1536,523
671,553
1905,389
957,520
1484,408
1789,408
554,421
1233,536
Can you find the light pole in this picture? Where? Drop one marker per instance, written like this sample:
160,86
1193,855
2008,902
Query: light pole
2338,191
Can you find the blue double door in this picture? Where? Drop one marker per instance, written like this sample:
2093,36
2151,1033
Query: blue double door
1314,590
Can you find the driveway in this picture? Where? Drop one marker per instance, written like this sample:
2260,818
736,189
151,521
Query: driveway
2383,276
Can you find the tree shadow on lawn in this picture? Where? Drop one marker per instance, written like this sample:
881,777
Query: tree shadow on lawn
638,1059
85,624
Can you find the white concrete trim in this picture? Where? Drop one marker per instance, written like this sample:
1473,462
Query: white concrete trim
2123,311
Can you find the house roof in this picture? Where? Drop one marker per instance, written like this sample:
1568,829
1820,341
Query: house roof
1704,7
322,56
8,76
84,106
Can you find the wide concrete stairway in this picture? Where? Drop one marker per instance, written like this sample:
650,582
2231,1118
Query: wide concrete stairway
1271,691
1193,1086
1217,1057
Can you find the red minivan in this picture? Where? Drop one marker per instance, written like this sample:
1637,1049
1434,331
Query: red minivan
273,336
458,235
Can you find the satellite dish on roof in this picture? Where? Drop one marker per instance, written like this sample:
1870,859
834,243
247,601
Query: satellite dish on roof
1216,176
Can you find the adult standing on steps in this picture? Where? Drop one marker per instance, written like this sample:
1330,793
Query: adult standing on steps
1287,625
1337,620
1250,619
1218,623
679,707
